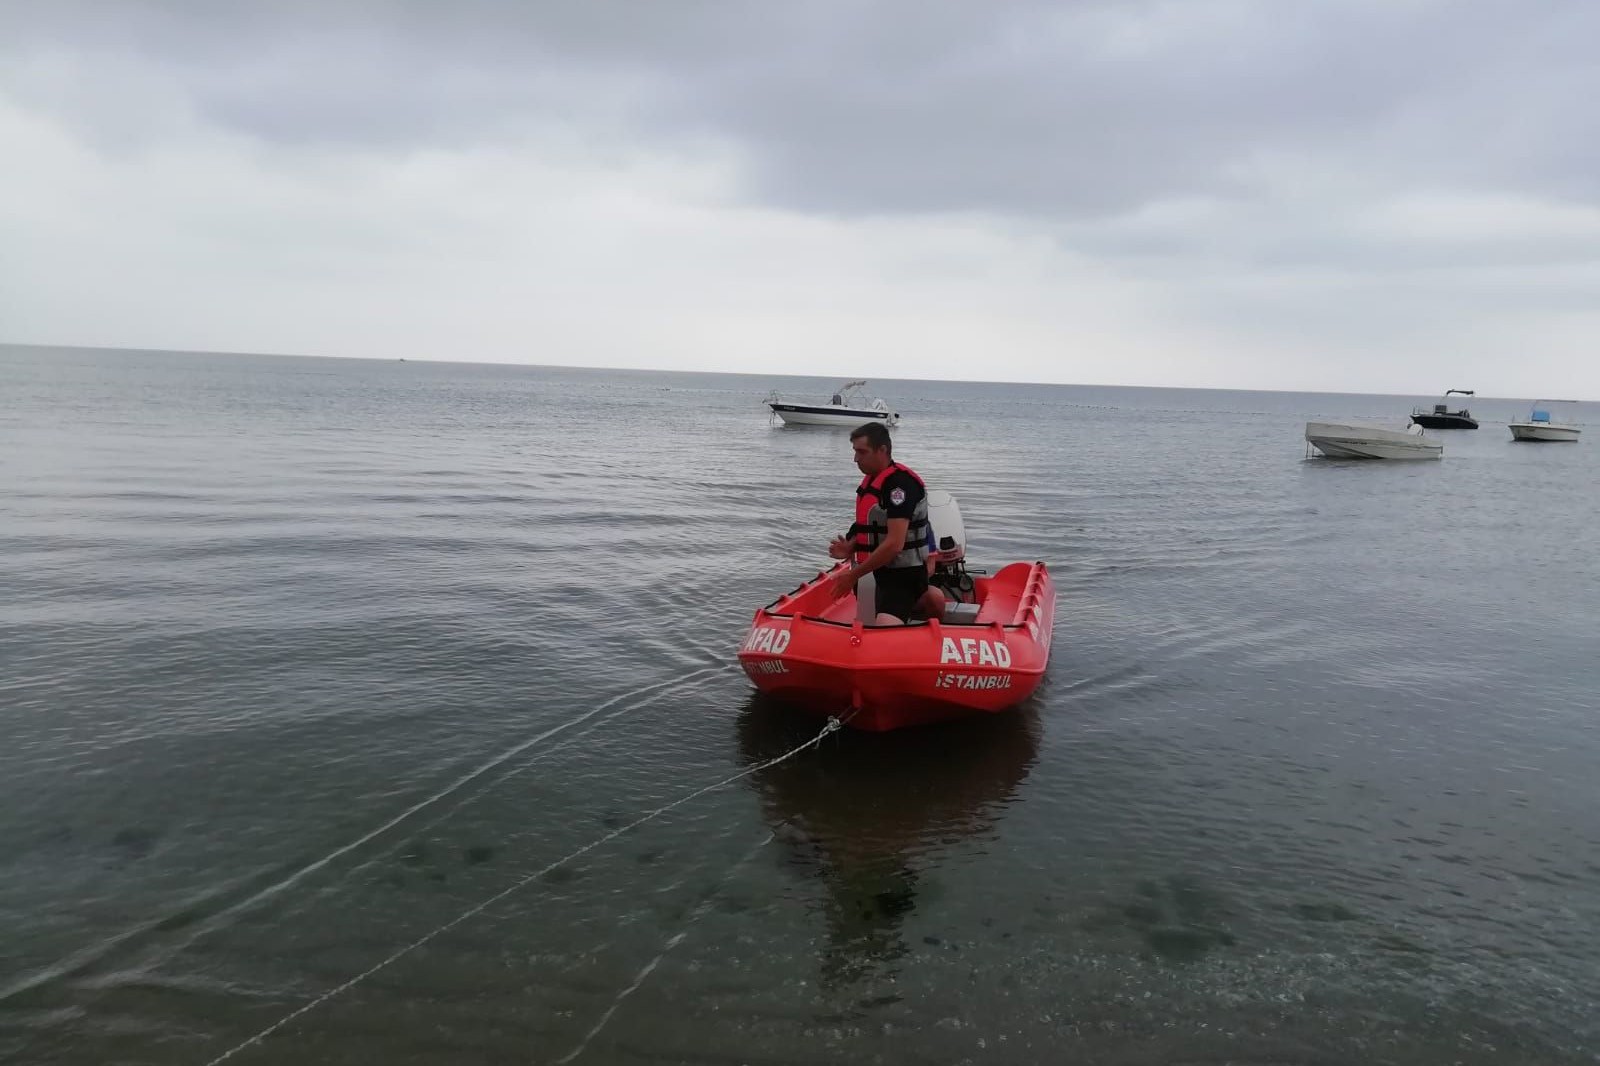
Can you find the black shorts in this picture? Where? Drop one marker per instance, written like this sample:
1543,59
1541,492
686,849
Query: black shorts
900,589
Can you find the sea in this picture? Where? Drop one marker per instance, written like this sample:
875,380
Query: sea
385,711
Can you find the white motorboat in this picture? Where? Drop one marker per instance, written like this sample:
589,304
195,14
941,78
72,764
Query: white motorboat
1340,441
1540,427
846,408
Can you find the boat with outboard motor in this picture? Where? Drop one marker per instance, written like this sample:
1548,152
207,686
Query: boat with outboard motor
1341,441
1439,416
845,408
1539,426
986,654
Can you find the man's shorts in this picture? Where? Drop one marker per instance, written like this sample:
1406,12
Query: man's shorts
900,589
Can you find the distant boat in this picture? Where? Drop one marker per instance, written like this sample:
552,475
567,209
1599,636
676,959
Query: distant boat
1340,441
846,408
1441,417
1539,426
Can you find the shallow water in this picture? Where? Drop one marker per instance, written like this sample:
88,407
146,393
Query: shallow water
305,660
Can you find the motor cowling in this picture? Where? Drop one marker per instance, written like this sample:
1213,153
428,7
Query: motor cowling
949,532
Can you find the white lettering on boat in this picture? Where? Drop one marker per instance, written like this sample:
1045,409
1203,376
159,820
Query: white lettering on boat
972,681
767,639
972,651
766,666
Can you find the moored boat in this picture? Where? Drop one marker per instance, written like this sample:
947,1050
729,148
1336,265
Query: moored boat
1539,427
1341,441
811,650
844,408
1439,416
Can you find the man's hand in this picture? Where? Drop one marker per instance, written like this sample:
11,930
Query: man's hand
839,548
840,584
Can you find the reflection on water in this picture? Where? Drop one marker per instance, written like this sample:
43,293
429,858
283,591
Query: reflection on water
868,813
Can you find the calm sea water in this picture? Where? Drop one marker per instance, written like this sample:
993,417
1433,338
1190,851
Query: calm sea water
305,663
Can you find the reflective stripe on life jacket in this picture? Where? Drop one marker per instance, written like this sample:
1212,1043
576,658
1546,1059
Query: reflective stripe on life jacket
872,521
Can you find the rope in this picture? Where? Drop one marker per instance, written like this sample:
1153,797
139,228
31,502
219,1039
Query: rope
628,701
473,911
677,938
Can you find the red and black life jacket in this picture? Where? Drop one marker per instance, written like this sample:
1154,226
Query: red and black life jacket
872,520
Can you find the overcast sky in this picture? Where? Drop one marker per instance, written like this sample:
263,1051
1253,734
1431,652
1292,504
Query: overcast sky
1346,195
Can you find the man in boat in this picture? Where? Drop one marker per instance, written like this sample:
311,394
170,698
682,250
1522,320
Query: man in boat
890,536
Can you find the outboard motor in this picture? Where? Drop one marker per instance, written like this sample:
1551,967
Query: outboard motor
950,544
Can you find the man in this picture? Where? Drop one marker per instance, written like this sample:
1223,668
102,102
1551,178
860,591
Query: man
890,536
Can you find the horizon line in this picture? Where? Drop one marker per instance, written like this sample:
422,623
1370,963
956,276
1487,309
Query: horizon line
238,353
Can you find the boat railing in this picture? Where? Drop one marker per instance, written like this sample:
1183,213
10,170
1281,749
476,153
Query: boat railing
846,394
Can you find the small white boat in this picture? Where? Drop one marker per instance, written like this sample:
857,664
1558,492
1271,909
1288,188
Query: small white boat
1340,441
1539,426
846,408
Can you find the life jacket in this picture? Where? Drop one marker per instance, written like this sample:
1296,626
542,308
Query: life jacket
872,521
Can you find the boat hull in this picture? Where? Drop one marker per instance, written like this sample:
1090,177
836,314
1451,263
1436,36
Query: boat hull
1544,432
808,650
1338,441
1445,421
800,414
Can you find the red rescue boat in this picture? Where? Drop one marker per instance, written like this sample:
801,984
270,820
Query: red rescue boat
812,651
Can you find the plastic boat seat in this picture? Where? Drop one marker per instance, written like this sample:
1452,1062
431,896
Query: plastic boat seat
962,612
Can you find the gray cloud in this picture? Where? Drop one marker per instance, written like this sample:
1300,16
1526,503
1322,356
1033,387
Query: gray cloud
1207,160
1029,108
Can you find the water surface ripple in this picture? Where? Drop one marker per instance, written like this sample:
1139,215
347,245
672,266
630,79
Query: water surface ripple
304,659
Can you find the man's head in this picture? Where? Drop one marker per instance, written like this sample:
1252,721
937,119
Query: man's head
874,450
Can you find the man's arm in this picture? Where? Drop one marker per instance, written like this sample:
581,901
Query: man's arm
893,542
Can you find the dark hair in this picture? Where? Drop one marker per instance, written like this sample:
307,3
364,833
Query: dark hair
876,434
